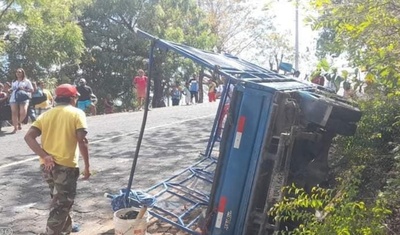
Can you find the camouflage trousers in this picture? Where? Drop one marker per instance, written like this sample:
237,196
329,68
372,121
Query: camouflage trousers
62,182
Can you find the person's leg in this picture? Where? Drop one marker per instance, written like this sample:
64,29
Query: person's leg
187,99
48,177
140,94
65,183
141,102
93,109
23,109
192,96
14,115
196,97
224,112
30,114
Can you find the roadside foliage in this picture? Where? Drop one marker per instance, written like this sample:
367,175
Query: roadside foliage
364,195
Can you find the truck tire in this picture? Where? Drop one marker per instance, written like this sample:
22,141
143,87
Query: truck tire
314,103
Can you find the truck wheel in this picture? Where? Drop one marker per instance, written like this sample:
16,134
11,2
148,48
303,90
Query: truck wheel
313,104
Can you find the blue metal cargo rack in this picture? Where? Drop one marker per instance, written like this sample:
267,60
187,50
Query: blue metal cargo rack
220,195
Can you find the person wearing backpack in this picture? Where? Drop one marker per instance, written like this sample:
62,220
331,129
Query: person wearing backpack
46,104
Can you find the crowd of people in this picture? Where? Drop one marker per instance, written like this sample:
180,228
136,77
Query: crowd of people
61,126
23,99
190,91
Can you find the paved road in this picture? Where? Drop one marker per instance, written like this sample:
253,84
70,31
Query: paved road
173,139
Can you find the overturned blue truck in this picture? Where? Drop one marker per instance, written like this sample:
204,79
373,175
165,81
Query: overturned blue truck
278,131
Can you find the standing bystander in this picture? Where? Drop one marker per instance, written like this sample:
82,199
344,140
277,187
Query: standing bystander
19,99
194,89
3,101
63,132
176,94
85,98
48,103
139,84
212,88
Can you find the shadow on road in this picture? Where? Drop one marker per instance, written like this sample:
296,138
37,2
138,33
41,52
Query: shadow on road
164,152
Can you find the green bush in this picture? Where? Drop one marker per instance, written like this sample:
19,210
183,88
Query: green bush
365,171
327,212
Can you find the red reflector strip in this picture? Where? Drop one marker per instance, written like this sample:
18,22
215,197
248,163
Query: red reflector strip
222,204
240,126
239,131
220,214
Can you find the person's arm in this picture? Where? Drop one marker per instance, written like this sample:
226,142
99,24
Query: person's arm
30,139
107,103
29,87
134,82
50,98
4,98
84,150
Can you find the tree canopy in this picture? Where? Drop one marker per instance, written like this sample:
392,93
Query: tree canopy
41,35
366,30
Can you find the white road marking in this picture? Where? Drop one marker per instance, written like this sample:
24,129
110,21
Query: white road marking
108,138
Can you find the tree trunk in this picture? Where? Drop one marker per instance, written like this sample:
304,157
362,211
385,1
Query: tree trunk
277,62
158,86
201,76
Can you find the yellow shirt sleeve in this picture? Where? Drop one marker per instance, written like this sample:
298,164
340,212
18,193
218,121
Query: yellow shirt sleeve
38,123
81,120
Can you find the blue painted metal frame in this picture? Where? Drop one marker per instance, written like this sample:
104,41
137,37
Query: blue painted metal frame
176,186
236,171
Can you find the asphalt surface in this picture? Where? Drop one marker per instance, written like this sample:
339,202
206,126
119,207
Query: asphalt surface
173,140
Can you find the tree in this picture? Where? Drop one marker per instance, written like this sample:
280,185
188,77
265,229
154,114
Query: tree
115,53
274,49
41,35
358,28
238,24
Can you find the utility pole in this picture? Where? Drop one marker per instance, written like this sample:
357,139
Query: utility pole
296,56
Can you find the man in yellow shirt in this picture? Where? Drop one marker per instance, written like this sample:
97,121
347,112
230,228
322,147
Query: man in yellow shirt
63,132
45,105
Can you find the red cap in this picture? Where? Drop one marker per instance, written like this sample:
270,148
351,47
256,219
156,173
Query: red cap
66,90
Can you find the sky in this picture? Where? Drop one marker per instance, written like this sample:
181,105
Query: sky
285,18
285,21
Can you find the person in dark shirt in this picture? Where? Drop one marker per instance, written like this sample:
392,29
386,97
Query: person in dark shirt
86,96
